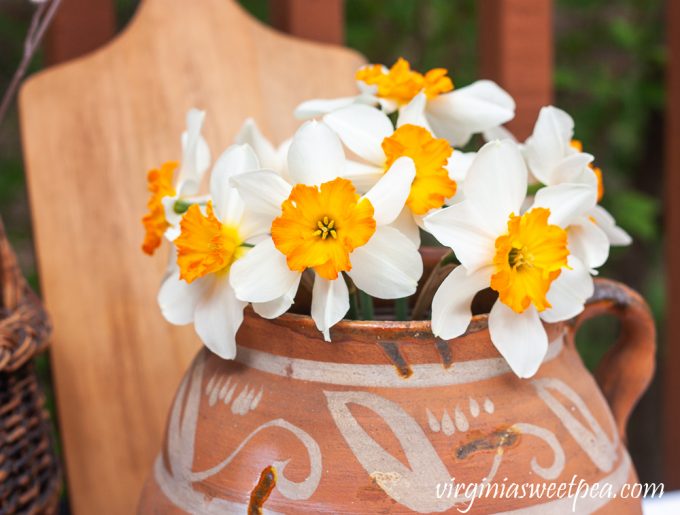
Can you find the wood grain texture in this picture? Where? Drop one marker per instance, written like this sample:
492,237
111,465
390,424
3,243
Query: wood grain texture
91,129
671,414
516,50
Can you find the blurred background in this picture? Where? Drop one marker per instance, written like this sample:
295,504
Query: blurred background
608,74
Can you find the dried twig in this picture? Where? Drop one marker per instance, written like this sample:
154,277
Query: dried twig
42,17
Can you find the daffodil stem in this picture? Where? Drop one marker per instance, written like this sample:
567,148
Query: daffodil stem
533,188
353,312
182,205
401,308
435,279
366,300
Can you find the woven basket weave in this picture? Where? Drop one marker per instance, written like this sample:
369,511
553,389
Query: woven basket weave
30,479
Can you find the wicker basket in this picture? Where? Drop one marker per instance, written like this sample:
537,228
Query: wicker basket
30,479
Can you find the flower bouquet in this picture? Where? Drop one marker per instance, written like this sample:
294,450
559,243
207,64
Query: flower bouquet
329,225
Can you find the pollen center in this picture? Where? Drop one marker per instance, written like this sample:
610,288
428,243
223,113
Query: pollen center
320,226
520,257
326,227
528,259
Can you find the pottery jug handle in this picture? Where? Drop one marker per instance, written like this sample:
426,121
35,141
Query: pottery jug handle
627,368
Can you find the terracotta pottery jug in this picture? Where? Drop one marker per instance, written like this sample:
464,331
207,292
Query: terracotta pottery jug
382,419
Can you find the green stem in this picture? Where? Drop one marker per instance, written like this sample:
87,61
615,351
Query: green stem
401,308
533,188
367,311
182,205
353,313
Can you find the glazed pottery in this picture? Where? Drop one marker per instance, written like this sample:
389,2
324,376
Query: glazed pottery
386,415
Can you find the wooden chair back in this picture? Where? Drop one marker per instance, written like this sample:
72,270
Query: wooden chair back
91,128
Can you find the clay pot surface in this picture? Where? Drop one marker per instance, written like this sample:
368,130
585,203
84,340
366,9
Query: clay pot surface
374,421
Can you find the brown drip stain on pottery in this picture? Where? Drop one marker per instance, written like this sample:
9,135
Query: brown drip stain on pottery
444,351
262,489
392,352
498,439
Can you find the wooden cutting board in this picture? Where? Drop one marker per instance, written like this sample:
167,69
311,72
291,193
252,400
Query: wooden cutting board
91,128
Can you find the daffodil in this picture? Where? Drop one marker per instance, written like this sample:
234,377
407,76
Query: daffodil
212,238
168,199
270,157
321,224
524,256
427,100
554,157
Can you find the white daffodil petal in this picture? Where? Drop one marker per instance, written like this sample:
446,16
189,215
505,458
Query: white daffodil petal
218,317
388,266
549,143
262,274
319,107
569,292
363,176
315,155
458,227
282,158
499,132
496,184
451,305
171,216
458,166
389,194
362,129
606,222
237,159
519,337
195,154
413,113
253,226
178,299
172,232
406,224
263,191
566,202
277,307
202,156
588,242
250,134
573,168
330,303
458,115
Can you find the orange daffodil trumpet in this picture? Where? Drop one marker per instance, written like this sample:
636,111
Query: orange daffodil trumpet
168,200
321,224
523,255
428,100
522,219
